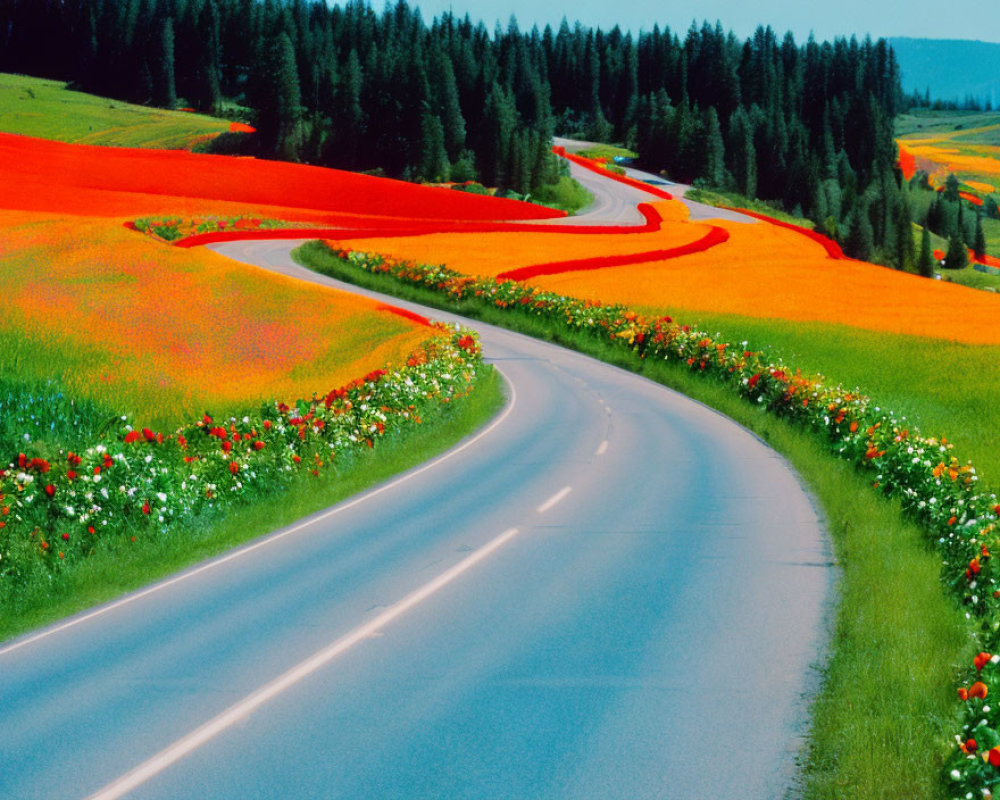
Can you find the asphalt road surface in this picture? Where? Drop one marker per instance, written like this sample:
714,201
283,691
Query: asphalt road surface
610,592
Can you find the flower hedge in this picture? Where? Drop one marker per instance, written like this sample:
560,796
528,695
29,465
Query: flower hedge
930,481
170,229
56,509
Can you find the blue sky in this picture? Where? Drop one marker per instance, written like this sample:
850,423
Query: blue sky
937,19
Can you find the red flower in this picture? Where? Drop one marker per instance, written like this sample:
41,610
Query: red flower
74,459
753,380
65,537
50,490
971,745
994,757
296,459
234,467
258,445
131,436
227,447
90,530
145,508
148,435
981,661
71,474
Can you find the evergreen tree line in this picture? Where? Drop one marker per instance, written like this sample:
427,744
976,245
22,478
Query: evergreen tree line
918,100
808,127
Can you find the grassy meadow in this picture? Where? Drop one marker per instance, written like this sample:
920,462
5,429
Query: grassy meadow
49,110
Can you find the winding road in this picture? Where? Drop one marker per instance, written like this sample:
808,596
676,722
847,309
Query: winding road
610,592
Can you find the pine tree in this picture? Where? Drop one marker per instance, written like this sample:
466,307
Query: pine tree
957,256
979,240
433,155
951,187
905,255
925,262
860,238
164,87
714,164
494,153
990,207
742,154
277,99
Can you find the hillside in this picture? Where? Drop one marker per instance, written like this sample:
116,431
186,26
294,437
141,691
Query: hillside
952,69
49,110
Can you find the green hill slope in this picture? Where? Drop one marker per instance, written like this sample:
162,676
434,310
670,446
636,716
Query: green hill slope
48,110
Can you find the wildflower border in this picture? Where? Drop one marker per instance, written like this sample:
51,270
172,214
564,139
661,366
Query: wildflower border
58,509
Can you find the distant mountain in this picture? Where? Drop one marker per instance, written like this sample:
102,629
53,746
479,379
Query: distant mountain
953,69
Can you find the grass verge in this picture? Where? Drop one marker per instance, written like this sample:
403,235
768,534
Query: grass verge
566,194
106,575
608,151
881,719
718,198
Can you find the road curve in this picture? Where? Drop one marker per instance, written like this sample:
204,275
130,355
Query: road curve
612,592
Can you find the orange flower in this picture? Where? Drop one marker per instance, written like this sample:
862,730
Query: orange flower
978,689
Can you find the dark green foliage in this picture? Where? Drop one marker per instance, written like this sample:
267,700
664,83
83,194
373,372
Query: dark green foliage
979,239
860,241
164,87
990,207
951,188
925,262
957,256
434,157
274,87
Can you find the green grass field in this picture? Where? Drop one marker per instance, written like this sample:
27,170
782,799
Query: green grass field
48,110
945,388
927,122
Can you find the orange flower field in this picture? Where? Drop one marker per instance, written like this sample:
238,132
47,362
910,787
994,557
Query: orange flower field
976,164
490,254
162,331
763,270
165,333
